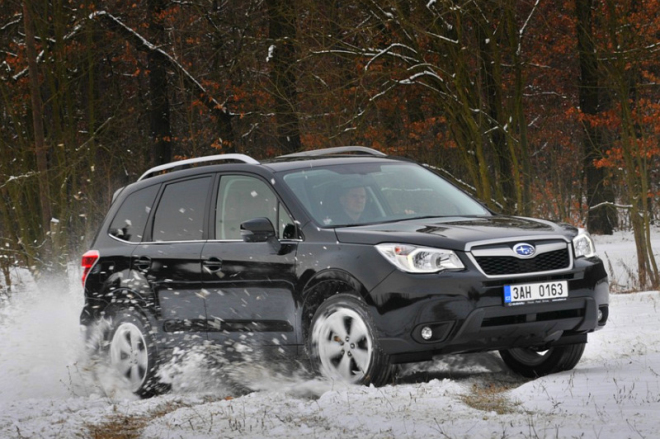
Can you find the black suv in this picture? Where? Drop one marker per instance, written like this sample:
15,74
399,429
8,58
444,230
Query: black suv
346,256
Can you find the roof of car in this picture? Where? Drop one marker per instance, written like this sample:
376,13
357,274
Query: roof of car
298,163
321,157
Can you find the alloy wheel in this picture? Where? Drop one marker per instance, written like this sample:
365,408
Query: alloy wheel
344,345
129,355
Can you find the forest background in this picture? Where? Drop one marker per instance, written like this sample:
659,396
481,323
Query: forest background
539,108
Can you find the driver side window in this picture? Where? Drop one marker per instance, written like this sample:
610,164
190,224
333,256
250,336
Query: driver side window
242,198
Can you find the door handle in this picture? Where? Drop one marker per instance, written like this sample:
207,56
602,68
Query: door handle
143,263
212,264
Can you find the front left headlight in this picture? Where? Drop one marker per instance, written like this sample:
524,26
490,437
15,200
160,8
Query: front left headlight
414,259
583,245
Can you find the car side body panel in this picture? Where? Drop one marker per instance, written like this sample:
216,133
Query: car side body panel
249,287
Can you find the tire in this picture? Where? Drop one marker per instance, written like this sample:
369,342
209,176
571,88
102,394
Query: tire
343,345
132,353
532,363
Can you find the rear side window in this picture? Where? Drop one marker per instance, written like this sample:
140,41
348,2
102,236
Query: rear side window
180,212
128,225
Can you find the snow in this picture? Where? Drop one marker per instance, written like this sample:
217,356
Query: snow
49,388
620,257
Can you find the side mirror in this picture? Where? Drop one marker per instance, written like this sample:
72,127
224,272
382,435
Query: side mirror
257,230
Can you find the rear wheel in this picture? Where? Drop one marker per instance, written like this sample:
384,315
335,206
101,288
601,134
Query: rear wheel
343,345
132,353
533,363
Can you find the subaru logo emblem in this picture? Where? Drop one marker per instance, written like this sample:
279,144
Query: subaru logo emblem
524,250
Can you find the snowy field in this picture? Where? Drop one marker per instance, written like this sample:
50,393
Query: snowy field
49,389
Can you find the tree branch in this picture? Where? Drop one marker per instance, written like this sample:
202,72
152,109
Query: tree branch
142,44
217,109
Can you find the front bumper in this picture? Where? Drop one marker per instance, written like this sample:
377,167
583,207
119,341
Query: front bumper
466,313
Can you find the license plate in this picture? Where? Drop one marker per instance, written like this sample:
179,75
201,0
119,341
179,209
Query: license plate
540,292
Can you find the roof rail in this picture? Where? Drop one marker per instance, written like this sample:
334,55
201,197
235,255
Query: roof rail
210,158
336,150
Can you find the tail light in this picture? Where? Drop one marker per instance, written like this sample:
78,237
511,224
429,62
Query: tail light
88,261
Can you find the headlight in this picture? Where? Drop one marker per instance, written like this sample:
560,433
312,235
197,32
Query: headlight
583,245
415,259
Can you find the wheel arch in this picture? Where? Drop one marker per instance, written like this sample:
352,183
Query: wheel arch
323,285
122,298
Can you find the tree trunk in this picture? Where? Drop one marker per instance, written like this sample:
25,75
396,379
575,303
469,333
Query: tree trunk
282,33
519,147
636,173
602,219
492,83
40,148
161,132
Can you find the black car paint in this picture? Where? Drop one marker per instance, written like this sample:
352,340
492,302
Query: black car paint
189,297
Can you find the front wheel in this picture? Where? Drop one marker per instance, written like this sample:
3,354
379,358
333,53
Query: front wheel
343,345
532,363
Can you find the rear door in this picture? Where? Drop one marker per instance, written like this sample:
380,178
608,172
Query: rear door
170,260
249,287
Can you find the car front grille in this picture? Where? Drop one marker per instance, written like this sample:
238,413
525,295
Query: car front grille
509,265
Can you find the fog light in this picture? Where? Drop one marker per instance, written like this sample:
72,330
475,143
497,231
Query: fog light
600,315
427,333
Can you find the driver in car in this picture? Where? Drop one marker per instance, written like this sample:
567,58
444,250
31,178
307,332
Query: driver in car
352,201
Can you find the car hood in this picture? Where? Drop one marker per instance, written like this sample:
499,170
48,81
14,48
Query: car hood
453,233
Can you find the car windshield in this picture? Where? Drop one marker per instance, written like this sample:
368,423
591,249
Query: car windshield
368,193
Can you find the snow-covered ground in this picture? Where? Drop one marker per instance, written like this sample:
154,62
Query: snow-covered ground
50,389
620,257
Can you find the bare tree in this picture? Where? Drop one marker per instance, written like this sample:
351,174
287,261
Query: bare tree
624,62
601,217
161,132
282,55
40,148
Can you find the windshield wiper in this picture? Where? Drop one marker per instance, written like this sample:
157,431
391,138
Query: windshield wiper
425,217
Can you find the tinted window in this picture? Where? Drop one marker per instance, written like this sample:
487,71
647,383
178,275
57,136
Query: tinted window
128,224
180,213
242,198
